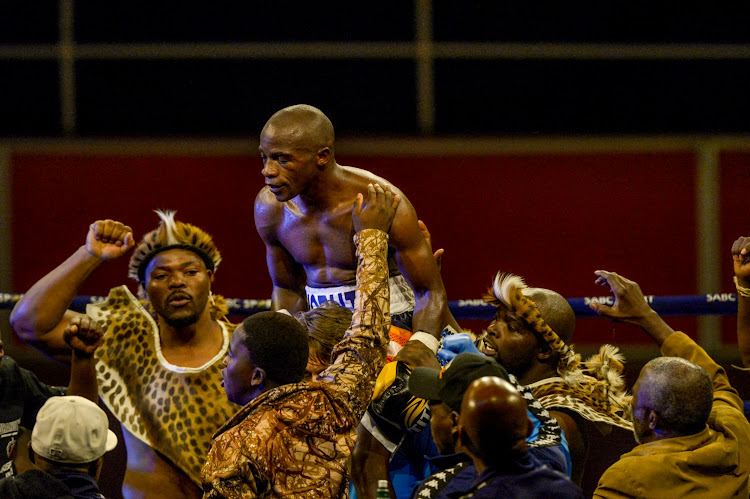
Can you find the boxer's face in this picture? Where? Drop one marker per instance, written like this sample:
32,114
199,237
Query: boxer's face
289,165
178,286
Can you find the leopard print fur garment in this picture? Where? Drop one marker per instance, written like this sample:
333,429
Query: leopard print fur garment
173,409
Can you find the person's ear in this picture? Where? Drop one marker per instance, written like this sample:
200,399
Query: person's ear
654,420
258,377
544,353
454,425
464,441
454,418
323,156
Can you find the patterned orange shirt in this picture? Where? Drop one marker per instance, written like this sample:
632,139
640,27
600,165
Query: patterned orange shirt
295,440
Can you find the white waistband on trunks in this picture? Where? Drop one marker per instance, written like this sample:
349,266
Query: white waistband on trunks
402,297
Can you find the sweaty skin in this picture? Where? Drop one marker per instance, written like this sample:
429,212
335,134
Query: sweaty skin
303,215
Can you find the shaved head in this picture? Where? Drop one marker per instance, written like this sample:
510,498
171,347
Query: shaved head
305,127
493,424
555,310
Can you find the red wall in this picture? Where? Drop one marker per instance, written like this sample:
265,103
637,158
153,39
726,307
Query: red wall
735,220
554,218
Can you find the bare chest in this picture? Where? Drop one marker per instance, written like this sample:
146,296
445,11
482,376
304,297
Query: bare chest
323,244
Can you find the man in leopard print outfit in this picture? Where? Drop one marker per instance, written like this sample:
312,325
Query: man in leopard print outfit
160,361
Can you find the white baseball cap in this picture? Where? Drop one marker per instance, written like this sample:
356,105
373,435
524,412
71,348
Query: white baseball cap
72,430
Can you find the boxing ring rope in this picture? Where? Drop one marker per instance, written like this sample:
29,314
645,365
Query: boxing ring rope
708,304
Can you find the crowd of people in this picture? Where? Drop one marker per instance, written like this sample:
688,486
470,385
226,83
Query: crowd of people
360,375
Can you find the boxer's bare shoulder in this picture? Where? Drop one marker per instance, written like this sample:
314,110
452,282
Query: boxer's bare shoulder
269,213
358,179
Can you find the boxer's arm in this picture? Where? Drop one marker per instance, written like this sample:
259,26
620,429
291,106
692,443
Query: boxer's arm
417,264
288,277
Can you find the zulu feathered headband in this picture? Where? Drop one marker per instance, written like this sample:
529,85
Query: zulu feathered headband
594,388
172,234
507,291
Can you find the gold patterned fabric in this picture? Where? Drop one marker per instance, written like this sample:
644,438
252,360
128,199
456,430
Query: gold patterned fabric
554,393
295,440
173,409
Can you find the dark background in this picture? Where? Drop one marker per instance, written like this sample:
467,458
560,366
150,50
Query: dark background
583,92
169,100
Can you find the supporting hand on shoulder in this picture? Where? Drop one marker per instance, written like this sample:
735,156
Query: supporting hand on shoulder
377,211
437,255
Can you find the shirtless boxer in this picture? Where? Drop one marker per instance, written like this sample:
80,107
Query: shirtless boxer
303,215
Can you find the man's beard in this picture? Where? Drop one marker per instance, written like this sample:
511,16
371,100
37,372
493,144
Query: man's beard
182,322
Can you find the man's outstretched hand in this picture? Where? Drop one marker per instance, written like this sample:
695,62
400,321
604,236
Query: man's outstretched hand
630,306
438,255
741,261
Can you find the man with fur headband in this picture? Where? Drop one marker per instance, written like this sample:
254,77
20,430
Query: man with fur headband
530,337
160,362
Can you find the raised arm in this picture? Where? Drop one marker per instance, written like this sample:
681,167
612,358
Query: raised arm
417,264
741,262
371,318
41,316
83,335
288,276
630,306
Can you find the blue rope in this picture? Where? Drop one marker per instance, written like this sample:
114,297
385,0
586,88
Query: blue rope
709,304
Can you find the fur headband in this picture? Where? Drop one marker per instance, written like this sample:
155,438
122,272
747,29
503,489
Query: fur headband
173,234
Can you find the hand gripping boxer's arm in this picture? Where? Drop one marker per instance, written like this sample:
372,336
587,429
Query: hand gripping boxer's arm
41,316
438,256
417,264
741,261
83,335
288,276
630,306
